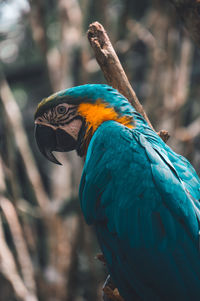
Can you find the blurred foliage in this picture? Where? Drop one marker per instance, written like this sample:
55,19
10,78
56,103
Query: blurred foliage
43,48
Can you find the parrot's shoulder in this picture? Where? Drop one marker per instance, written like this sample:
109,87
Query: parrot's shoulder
123,166
109,162
111,130
110,138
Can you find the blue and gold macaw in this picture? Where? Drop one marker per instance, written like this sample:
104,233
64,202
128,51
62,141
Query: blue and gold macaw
141,197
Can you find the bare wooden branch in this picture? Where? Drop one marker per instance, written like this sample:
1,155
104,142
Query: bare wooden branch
20,244
111,66
112,294
15,121
9,269
189,11
113,70
2,179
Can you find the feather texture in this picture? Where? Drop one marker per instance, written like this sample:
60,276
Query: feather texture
140,196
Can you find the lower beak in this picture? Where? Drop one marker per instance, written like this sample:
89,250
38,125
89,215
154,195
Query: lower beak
49,140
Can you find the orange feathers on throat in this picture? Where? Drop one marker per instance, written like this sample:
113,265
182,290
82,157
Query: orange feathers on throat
96,114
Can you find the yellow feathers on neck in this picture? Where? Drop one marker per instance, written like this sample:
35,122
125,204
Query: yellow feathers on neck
96,114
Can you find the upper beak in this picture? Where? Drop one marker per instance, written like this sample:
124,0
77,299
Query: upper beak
49,140
46,141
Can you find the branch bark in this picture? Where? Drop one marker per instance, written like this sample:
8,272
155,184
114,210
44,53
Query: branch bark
11,109
9,269
24,259
113,70
189,11
111,66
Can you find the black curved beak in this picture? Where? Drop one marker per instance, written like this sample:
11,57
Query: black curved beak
49,140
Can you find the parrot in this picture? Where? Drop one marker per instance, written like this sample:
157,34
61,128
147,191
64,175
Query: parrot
142,198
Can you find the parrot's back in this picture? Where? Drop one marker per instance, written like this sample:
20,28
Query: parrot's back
144,202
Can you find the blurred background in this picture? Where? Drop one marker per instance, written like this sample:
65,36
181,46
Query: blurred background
47,252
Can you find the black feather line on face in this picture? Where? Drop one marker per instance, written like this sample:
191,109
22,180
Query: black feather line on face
81,147
66,116
69,121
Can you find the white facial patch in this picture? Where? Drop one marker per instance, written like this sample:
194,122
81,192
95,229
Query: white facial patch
66,121
72,128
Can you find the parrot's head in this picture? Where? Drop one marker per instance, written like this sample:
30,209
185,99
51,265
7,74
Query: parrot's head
67,119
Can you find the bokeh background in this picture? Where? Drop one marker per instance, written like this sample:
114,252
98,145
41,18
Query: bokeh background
47,252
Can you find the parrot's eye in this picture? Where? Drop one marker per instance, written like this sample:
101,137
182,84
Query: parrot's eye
61,110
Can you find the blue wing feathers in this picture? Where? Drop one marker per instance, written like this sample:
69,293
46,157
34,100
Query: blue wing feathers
138,194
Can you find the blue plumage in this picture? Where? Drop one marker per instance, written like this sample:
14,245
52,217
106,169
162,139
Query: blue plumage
93,92
143,200
144,217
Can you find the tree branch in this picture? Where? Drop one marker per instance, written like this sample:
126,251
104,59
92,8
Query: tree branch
11,109
24,259
113,70
111,66
10,271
